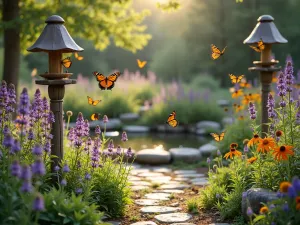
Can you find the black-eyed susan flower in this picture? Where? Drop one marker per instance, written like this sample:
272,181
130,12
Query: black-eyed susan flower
282,152
254,140
278,133
231,153
297,200
237,93
265,145
264,210
234,145
251,160
284,186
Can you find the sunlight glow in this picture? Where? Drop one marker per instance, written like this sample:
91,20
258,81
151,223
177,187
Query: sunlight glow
159,147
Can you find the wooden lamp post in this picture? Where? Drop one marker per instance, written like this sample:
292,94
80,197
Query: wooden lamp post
55,40
266,31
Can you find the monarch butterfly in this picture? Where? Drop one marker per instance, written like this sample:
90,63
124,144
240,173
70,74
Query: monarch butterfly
218,137
106,83
141,64
260,46
78,57
235,79
216,52
95,116
172,120
66,62
93,102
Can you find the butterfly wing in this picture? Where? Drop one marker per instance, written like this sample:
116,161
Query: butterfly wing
90,100
111,79
261,45
233,78
94,103
221,136
66,62
101,79
141,64
216,53
239,78
95,116
173,123
255,48
171,116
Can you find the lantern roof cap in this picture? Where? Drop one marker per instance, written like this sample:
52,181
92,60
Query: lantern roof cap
266,31
55,37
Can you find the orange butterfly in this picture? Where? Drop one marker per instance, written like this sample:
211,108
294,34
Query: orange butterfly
172,120
34,72
141,64
216,52
66,62
235,79
218,137
93,102
95,116
78,57
106,83
260,46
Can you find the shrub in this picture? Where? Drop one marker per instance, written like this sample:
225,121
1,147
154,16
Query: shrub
201,81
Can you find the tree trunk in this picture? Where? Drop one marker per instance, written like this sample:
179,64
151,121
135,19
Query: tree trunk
11,41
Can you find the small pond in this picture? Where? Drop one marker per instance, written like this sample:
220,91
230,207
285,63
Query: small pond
138,141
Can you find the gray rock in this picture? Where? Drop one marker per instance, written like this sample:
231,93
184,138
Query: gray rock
223,102
175,186
161,170
227,120
162,178
219,224
175,204
114,222
199,181
175,191
188,155
254,198
140,183
181,179
185,171
137,171
129,116
150,174
201,131
139,187
173,217
159,209
144,223
198,175
146,202
136,129
208,149
153,156
158,196
208,125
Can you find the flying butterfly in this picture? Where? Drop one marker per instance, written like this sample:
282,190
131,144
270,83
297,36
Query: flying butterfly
78,57
260,46
34,72
235,79
245,84
172,120
92,102
218,137
66,62
95,116
216,52
140,63
106,83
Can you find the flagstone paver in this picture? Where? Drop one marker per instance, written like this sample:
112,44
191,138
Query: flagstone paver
181,178
144,223
139,187
219,224
158,196
137,171
185,171
147,202
140,183
150,174
159,209
161,170
175,186
173,217
191,175
170,191
134,178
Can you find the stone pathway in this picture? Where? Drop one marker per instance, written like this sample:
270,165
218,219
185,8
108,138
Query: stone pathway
159,186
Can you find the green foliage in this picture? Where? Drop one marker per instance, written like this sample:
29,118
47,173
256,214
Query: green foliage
192,205
172,5
73,210
204,81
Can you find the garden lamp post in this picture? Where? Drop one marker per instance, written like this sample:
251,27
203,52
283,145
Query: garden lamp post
55,40
266,31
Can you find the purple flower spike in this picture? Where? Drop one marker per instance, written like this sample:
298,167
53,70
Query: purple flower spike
119,150
129,153
26,173
252,111
37,150
296,184
66,168
26,187
24,103
292,192
97,130
285,207
38,204
78,191
16,147
47,147
15,169
38,168
208,160
124,136
110,145
249,212
105,119
218,153
87,176
271,106
63,182
246,149
244,195
30,135
3,95
8,141
56,168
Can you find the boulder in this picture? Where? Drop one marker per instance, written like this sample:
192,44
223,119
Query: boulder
129,116
256,196
209,126
153,156
223,103
188,155
136,129
227,120
208,149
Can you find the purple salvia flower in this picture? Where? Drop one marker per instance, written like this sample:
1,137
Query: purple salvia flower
37,150
292,192
218,153
89,141
282,103
208,160
66,168
86,128
30,134
26,173
3,95
26,187
129,153
272,206
105,119
37,106
6,130
296,183
63,182
249,212
38,168
11,98
252,111
246,149
80,129
38,204
110,146
16,147
285,207
15,169
98,130
24,103
47,147
87,176
119,150
244,195
124,136
71,135
78,143
78,191
56,168
271,106
8,141
50,117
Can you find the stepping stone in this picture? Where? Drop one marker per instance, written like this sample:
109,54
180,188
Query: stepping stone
188,155
185,171
153,156
175,186
181,179
138,188
208,149
175,191
159,209
146,202
173,217
144,223
136,129
129,116
161,170
162,178
137,171
133,178
150,174
140,183
200,181
158,196
198,175
114,222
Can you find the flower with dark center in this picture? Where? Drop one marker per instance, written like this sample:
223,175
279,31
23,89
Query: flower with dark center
283,152
15,169
231,153
234,145
278,133
38,203
266,145
284,186
254,140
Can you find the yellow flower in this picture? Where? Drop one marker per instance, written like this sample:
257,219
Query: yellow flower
265,145
264,210
237,93
284,186
252,160
254,140
232,152
282,152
